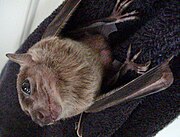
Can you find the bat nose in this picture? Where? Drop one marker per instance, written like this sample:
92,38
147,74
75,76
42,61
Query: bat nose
40,115
45,117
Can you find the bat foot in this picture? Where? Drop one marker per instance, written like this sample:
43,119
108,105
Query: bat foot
78,126
118,10
129,64
107,25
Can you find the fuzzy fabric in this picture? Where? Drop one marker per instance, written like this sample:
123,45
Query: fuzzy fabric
156,33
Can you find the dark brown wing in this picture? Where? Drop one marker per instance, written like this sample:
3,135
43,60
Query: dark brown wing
155,80
55,27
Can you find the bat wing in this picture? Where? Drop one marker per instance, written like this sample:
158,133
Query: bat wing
155,80
56,26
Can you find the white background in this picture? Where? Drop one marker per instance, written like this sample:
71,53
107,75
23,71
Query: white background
18,18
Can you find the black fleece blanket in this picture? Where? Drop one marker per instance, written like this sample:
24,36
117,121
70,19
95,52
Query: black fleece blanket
156,33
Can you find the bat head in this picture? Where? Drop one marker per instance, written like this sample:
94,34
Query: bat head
37,90
55,80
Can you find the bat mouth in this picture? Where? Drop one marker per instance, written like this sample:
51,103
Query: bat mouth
44,117
43,124
43,120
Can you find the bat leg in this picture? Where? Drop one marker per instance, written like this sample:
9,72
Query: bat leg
107,25
117,16
129,64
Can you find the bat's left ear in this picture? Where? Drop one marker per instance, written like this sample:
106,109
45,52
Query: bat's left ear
21,59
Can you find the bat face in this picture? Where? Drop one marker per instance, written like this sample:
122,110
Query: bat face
58,79
38,94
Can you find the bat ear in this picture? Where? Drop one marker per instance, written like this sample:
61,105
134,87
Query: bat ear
21,59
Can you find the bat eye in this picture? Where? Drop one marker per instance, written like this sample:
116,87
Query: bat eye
26,88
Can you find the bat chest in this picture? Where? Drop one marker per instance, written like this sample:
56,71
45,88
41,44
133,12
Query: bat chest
100,45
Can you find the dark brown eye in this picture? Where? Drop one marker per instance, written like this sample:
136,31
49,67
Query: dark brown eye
26,88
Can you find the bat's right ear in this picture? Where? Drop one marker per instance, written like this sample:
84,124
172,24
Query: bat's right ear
21,59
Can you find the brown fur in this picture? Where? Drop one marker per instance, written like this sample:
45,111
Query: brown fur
65,76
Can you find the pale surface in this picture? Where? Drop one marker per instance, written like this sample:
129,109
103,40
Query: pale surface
13,15
172,130
20,17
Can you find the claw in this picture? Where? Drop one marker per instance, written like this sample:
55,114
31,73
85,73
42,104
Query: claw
119,8
133,13
124,5
148,63
128,53
139,68
143,67
116,6
125,19
136,55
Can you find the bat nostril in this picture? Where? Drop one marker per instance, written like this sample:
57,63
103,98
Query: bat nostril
40,115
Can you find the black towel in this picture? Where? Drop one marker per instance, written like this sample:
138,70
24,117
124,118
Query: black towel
156,33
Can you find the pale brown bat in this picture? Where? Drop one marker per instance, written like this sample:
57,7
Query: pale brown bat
60,77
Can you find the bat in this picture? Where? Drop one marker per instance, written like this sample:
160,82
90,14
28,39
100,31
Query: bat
61,77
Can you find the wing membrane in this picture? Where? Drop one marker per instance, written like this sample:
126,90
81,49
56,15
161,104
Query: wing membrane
61,19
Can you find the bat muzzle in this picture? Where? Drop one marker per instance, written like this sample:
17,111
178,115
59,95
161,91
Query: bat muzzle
43,117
